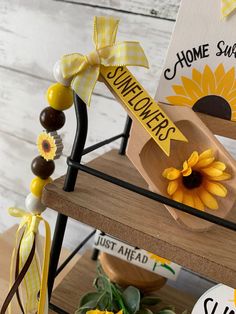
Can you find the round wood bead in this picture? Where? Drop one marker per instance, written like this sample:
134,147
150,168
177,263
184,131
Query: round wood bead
42,168
58,75
37,185
51,119
59,97
33,204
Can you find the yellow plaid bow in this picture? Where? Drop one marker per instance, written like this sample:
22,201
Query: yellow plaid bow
37,270
85,69
227,7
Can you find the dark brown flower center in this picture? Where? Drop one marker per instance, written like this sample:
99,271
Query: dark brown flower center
46,146
194,180
214,105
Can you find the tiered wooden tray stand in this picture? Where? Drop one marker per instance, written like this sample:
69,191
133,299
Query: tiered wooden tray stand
105,202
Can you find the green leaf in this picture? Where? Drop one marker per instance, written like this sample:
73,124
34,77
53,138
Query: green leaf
150,300
131,296
103,302
89,305
89,297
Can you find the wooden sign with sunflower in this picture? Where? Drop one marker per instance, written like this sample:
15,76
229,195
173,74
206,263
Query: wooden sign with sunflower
200,67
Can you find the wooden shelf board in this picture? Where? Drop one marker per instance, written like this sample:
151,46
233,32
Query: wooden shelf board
142,222
79,281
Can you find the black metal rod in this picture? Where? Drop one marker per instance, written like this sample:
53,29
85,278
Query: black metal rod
56,250
157,197
79,142
124,141
100,144
95,254
69,184
76,250
57,309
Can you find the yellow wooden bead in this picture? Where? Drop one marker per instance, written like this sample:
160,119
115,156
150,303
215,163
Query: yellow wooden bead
37,185
59,97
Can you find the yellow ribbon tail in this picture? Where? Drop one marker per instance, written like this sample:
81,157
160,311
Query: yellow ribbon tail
44,280
35,279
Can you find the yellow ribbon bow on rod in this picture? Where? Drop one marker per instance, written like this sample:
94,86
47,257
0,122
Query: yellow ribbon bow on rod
26,240
227,7
85,70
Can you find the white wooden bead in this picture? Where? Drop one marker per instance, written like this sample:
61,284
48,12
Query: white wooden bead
33,204
58,75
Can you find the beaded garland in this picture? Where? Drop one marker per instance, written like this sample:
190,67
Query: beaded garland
49,142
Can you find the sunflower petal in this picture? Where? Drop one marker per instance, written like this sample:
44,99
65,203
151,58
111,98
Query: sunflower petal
198,204
219,165
219,72
171,173
192,89
207,199
180,100
204,162
216,188
172,187
206,154
193,159
197,76
208,81
213,172
178,195
187,172
179,90
188,199
224,176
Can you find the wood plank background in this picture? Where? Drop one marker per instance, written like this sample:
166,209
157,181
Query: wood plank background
33,36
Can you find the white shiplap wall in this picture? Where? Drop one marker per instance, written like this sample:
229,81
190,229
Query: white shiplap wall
33,35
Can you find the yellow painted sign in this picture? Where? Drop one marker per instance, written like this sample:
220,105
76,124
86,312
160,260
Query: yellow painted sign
142,106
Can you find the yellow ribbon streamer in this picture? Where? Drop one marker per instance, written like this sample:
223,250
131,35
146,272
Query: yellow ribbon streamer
85,70
29,226
227,7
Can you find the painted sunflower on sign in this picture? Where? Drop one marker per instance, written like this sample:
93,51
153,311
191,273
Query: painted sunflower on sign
198,183
211,92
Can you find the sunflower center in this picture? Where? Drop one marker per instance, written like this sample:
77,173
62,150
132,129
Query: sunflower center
46,146
194,180
214,105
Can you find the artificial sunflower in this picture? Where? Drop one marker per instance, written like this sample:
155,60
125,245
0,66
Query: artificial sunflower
198,183
212,92
49,145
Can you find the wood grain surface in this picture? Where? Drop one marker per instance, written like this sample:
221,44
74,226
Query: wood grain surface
118,212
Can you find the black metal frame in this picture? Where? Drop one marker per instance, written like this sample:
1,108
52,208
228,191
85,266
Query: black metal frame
74,165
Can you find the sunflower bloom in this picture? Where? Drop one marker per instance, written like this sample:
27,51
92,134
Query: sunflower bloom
49,145
212,92
198,183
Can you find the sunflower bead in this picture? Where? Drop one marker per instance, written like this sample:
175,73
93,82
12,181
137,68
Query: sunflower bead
59,97
37,185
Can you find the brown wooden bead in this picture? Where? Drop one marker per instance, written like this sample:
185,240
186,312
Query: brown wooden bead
52,119
42,168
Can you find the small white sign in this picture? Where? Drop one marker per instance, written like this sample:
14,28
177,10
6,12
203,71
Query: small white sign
217,300
136,256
